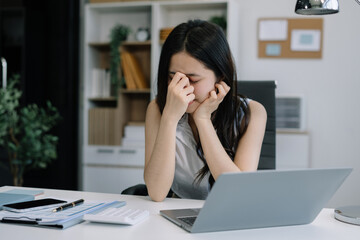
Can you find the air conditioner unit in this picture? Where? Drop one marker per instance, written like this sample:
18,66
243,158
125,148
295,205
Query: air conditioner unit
290,113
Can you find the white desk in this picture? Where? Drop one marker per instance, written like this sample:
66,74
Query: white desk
157,227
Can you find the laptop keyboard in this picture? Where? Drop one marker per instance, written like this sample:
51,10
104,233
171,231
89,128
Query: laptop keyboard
188,220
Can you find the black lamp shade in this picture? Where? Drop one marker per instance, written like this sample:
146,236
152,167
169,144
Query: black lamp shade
316,7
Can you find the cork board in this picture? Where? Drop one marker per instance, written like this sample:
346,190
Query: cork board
290,37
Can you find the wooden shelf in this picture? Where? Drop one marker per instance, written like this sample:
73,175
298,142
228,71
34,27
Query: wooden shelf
98,99
135,91
137,43
104,45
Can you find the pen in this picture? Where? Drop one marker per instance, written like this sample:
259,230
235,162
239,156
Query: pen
69,205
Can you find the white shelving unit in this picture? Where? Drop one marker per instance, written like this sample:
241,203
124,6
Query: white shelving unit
106,168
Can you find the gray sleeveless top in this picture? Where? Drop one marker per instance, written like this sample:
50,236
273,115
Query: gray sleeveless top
188,163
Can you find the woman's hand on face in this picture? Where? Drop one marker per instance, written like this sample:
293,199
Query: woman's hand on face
207,107
180,94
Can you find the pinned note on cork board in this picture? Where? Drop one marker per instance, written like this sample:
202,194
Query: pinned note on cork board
290,37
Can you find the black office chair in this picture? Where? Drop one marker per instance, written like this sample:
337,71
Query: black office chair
264,93
140,190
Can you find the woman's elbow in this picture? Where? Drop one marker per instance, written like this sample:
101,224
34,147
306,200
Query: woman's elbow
154,193
156,196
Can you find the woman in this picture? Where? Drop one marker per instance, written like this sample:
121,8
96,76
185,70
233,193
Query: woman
197,128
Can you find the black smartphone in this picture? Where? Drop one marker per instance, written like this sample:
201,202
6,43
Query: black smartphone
33,205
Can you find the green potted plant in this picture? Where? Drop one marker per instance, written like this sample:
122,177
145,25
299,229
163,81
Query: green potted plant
118,34
219,20
25,133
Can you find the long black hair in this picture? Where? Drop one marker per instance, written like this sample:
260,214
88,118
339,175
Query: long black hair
207,43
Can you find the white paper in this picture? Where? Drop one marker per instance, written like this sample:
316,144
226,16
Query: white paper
273,30
48,217
305,40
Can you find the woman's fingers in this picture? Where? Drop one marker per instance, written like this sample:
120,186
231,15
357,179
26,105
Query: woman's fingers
190,97
223,89
180,85
213,95
180,91
179,78
188,89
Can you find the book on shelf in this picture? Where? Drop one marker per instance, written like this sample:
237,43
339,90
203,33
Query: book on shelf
134,76
129,81
100,85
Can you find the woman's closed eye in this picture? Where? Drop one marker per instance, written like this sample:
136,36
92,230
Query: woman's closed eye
193,81
194,78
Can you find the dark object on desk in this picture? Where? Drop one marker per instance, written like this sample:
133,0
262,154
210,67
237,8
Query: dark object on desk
7,198
34,205
264,93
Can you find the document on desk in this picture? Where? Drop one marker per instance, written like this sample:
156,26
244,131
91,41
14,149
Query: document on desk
62,219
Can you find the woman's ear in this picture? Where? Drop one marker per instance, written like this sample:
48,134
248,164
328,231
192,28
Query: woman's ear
219,79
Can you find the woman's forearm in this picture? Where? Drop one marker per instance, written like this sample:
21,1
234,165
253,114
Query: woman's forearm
216,157
159,170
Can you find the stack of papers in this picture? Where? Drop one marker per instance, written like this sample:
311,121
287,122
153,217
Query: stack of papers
62,219
134,135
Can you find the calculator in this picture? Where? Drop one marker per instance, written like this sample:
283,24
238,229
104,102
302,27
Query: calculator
125,216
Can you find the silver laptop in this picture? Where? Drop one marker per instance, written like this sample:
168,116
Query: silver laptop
262,199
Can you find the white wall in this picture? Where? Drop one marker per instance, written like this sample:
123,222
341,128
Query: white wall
331,85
